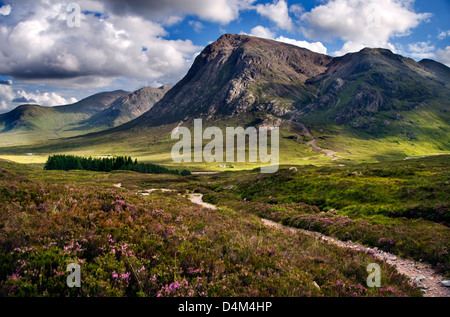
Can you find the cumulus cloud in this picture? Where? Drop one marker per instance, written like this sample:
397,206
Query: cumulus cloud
421,50
263,32
6,95
362,23
443,56
278,13
221,11
349,47
10,97
196,25
48,99
297,10
317,47
443,34
100,50
5,10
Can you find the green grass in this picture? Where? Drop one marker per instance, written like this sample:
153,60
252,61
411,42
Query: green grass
405,201
160,245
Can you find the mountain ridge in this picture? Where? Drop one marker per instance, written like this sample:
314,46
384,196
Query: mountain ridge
94,113
369,105
226,68
388,82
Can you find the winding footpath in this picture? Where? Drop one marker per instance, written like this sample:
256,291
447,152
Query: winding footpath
420,274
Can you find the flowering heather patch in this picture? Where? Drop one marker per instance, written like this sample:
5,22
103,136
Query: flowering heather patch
163,245
418,240
401,207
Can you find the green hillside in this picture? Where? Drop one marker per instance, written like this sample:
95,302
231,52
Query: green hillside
33,124
368,106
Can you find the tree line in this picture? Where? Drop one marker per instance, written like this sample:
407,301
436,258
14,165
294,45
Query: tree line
123,163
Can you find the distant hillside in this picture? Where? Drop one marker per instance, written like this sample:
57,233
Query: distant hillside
128,107
30,123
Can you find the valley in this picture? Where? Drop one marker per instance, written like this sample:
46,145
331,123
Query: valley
363,179
165,239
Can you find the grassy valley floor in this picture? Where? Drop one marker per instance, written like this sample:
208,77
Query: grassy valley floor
162,244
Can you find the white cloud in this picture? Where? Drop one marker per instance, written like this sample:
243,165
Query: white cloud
263,32
196,25
6,96
443,34
443,56
349,47
421,50
47,99
5,10
297,10
11,98
221,11
278,13
172,20
317,47
362,23
96,53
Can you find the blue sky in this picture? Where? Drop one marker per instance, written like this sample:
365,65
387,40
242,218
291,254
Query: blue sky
132,44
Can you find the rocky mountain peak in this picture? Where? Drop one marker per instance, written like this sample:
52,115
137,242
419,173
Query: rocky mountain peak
240,73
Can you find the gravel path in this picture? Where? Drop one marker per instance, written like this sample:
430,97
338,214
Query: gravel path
329,153
198,200
206,173
420,274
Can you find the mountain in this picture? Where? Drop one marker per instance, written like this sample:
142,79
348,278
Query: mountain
93,104
367,106
344,104
28,123
439,69
128,107
364,92
35,118
239,74
365,85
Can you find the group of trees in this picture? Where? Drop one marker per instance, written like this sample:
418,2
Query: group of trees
70,162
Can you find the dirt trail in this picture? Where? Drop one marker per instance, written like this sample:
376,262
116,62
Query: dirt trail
329,153
206,173
198,200
313,143
149,191
420,274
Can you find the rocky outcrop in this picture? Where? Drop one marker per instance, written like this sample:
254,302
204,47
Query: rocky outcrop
238,74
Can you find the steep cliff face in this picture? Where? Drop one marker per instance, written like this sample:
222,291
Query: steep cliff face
239,74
